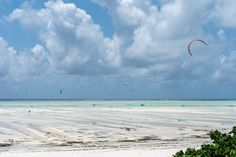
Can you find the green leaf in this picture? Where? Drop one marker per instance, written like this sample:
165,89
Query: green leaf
224,145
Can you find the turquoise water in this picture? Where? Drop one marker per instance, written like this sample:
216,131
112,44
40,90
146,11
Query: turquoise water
113,104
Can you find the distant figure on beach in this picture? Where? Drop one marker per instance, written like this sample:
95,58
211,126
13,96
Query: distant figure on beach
94,105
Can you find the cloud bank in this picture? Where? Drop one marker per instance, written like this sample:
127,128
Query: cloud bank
149,40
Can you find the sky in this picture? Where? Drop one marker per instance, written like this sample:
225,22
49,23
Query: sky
119,49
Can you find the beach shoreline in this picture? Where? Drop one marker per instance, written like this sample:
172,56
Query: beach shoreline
89,153
39,129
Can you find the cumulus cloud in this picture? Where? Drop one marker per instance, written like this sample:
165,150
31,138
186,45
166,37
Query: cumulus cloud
148,39
7,55
226,70
224,12
221,34
32,62
155,39
75,44
16,65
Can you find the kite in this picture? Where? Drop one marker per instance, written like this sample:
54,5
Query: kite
61,91
190,44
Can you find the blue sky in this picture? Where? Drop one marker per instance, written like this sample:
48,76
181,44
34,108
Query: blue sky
89,48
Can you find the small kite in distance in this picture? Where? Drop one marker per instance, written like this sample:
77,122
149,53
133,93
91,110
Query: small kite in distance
125,83
61,91
190,44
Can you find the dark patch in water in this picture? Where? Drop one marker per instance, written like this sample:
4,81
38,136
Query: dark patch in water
142,139
128,129
126,140
75,142
148,138
201,130
199,136
174,139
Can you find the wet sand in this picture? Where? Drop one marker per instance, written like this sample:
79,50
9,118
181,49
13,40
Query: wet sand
129,153
77,129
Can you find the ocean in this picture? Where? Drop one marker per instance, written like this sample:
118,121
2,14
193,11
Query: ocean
116,103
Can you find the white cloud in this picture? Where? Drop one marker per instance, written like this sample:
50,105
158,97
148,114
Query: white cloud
17,65
221,34
226,70
74,42
154,40
7,54
31,62
224,13
147,40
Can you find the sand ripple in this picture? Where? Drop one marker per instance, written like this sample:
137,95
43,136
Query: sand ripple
78,128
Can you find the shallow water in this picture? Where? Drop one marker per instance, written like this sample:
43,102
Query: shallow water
113,104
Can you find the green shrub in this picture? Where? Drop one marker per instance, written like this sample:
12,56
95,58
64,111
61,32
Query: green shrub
224,145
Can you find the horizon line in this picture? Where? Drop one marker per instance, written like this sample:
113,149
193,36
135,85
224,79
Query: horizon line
115,99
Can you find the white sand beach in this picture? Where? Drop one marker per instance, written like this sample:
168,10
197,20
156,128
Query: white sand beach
69,131
133,153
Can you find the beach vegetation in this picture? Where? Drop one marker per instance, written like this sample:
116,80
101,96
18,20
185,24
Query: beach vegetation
224,145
